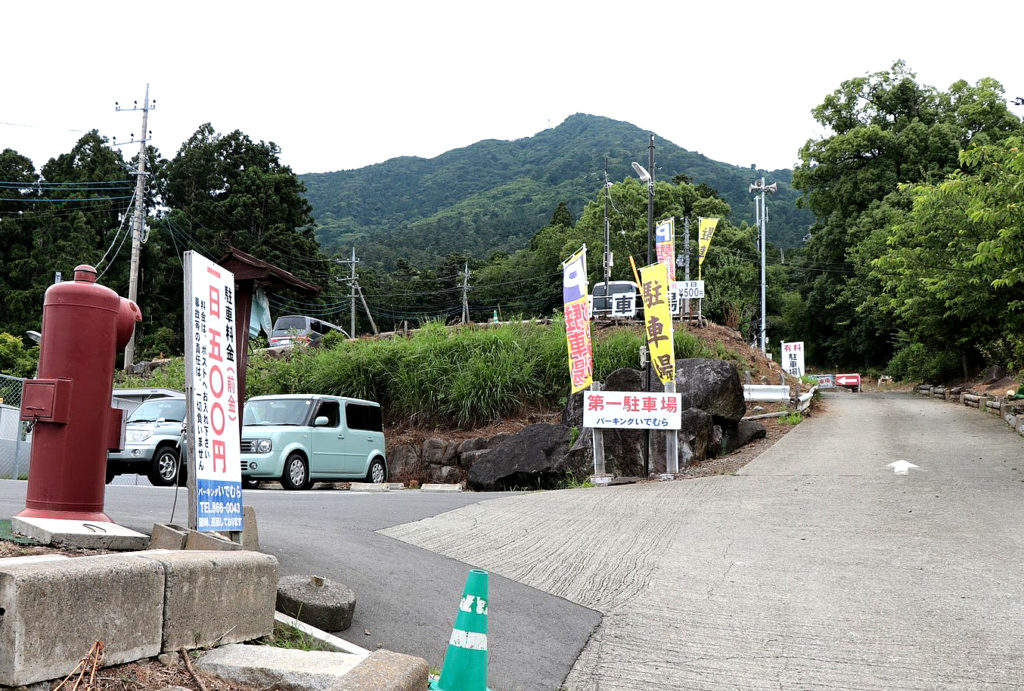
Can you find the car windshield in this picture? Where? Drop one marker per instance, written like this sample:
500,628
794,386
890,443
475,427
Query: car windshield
276,411
171,409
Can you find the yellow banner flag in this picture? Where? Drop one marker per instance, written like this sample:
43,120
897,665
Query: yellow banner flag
706,227
577,320
654,289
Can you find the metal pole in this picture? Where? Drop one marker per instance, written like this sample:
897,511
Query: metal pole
352,295
607,238
764,325
686,251
671,441
650,254
599,463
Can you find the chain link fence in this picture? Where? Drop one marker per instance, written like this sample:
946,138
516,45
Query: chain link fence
14,448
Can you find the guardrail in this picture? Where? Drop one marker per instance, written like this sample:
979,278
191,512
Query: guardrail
1011,410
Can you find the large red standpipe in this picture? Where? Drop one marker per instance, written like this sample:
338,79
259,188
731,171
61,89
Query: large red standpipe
68,404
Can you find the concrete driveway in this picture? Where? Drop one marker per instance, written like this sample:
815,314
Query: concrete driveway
816,566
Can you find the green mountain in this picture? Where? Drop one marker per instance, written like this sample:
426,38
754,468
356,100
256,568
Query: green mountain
494,195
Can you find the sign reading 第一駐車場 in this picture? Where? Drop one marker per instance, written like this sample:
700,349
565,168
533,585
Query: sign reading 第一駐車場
211,384
631,410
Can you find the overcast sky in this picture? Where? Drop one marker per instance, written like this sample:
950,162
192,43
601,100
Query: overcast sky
341,85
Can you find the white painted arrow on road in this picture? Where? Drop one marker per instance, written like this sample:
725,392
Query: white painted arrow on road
901,467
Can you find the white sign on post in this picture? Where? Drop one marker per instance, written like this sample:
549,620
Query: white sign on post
211,385
690,290
793,358
631,410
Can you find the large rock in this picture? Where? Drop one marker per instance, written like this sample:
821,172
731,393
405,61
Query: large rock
403,459
439,451
711,385
624,449
741,434
696,441
534,457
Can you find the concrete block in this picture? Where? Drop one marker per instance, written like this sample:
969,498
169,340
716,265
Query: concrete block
30,559
441,488
384,670
369,487
167,536
250,531
265,667
196,540
395,485
53,612
214,598
320,602
85,534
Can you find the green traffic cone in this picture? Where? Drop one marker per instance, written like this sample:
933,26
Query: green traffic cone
465,663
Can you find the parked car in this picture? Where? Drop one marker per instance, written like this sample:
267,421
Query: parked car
151,448
297,329
301,439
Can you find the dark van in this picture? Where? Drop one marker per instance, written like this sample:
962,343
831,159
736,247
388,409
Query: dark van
297,329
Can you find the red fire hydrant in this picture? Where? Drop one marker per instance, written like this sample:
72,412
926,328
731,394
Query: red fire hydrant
73,424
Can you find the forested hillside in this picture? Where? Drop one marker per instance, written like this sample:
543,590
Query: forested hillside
494,195
912,198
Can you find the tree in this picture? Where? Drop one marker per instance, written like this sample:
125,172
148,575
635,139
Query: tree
227,190
886,130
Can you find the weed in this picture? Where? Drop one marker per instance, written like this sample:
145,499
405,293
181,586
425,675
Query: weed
791,419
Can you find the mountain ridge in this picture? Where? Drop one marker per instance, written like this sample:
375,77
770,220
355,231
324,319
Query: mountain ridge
493,195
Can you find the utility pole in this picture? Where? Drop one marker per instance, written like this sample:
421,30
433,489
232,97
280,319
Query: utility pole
351,280
140,213
465,294
761,213
352,296
607,238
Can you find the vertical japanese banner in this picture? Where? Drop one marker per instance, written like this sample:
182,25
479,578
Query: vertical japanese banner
211,383
706,230
577,320
793,358
665,245
658,321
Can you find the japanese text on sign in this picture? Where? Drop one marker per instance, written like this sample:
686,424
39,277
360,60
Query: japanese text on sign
577,320
658,320
211,380
631,410
793,358
665,245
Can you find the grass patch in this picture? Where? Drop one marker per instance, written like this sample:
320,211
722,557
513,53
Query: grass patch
293,639
792,419
459,377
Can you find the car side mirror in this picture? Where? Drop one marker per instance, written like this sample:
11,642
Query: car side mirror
321,421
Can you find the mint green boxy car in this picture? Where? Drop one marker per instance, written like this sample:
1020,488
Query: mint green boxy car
302,439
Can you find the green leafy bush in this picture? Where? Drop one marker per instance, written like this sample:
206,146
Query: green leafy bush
916,362
15,359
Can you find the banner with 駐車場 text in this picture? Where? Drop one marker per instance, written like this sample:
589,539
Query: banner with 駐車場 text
577,320
654,290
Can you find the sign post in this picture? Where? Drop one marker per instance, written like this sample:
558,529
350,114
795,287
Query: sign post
211,380
850,381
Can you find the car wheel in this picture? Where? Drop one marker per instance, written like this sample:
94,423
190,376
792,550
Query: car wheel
164,469
377,472
296,472
250,483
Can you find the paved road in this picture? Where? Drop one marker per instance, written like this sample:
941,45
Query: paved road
814,567
406,597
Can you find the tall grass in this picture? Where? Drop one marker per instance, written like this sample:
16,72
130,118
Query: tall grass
463,376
